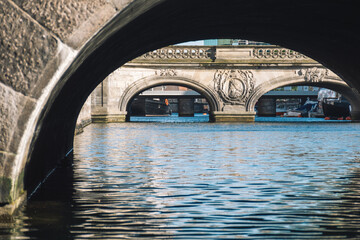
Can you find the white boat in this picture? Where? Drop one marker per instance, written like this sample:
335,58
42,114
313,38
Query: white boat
303,111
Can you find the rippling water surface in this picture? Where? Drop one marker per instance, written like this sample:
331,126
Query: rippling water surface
203,181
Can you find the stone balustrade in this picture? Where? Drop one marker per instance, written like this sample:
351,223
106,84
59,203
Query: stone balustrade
218,53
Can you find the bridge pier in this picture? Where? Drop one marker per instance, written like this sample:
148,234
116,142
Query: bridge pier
355,115
233,113
233,116
109,118
266,107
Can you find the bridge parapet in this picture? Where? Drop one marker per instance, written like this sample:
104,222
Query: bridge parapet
181,53
238,54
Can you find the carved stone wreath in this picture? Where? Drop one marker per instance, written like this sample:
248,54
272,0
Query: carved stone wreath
234,86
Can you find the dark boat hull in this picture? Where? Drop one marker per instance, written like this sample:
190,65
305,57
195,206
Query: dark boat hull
156,108
336,109
143,107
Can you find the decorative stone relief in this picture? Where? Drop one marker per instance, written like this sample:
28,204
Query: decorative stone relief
314,74
234,86
61,16
25,49
166,73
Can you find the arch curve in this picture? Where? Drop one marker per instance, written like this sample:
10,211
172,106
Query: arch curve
154,81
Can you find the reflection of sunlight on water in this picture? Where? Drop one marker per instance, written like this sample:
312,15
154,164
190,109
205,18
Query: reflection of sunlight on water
213,180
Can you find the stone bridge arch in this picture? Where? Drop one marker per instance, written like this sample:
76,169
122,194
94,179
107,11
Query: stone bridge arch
149,82
54,53
333,82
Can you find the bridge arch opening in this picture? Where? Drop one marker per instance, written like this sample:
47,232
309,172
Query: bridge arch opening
168,103
169,22
181,84
265,98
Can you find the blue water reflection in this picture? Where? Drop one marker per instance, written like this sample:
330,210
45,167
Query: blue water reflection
210,181
222,181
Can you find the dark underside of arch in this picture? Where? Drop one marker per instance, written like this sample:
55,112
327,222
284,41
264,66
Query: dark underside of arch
325,30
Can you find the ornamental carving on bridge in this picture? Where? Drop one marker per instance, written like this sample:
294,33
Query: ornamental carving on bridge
179,53
314,74
234,86
277,53
166,73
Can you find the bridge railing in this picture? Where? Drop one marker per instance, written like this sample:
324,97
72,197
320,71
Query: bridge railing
213,53
181,53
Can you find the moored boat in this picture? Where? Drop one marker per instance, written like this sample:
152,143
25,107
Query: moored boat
335,109
150,107
303,111
333,105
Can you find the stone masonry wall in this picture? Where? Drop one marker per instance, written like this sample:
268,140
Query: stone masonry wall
38,38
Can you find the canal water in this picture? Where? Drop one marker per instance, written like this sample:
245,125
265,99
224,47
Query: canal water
198,180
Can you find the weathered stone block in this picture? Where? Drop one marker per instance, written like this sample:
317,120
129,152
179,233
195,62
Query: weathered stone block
6,161
27,106
73,22
25,49
9,111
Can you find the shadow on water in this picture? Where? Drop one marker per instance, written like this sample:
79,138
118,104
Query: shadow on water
48,214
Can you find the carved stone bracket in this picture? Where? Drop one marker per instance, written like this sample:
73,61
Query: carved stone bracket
234,86
314,74
166,73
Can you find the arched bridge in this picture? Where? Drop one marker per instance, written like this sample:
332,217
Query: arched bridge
53,54
231,78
